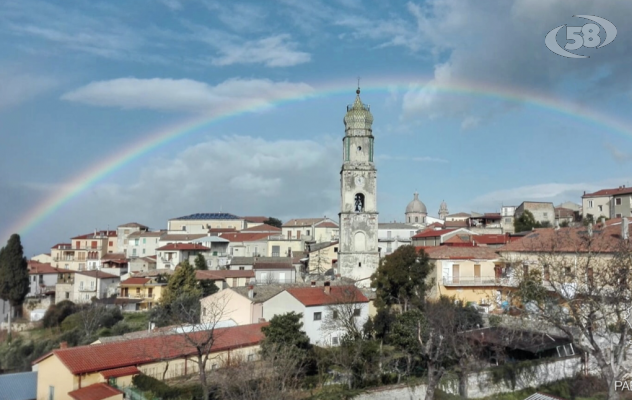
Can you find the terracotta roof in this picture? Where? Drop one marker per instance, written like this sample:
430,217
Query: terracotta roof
96,274
247,236
220,230
61,246
114,256
262,228
99,235
256,219
181,237
118,372
183,246
609,192
433,233
135,281
37,268
492,215
460,253
302,222
561,212
96,391
316,296
456,224
606,239
224,274
489,238
133,225
326,224
106,356
465,238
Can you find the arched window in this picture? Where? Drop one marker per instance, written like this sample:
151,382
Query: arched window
359,202
416,219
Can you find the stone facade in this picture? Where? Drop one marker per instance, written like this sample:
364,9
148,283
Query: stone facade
358,255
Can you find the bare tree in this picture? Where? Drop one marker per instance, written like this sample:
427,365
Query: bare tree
344,315
577,281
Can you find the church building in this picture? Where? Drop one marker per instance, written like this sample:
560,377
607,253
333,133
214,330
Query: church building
358,255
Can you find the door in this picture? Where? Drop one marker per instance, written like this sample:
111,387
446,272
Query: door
455,273
477,272
282,277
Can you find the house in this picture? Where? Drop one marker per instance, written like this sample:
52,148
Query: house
140,264
609,203
247,244
321,257
253,221
44,258
64,289
124,231
457,220
507,214
85,251
143,243
282,246
311,229
169,256
543,212
89,284
262,228
486,223
170,238
95,371
147,290
114,263
391,235
565,216
202,222
217,257
227,278
269,272
321,308
43,279
470,274
244,304
431,237
487,240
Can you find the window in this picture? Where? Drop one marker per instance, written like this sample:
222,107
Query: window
251,357
91,284
81,285
242,268
335,249
600,208
525,270
590,204
135,242
617,201
144,240
356,312
318,316
203,311
567,271
308,232
359,202
334,315
51,393
143,251
416,219
546,272
93,244
388,234
618,216
508,220
133,252
126,231
67,295
408,219
334,341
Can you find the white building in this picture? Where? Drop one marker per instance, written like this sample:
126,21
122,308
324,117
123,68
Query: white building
89,284
202,222
169,256
123,232
507,218
322,308
143,243
391,235
43,278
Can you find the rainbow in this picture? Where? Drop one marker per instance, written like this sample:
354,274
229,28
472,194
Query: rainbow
152,141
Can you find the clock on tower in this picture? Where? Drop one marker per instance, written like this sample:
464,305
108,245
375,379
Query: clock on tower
358,255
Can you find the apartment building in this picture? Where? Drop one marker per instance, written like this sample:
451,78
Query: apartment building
84,252
202,222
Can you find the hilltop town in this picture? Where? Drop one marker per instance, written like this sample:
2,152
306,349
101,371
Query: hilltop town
219,305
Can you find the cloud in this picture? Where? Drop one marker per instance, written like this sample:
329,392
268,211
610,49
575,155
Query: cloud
243,175
273,51
239,17
185,94
470,122
172,4
617,154
18,88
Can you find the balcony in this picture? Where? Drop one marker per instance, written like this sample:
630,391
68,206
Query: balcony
137,296
478,281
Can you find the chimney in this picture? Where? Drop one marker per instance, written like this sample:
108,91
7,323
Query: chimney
590,229
313,283
63,345
251,292
327,287
625,230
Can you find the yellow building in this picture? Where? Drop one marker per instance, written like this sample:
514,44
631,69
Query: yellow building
145,292
322,256
468,273
98,370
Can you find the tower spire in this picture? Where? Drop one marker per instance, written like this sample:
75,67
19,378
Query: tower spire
358,90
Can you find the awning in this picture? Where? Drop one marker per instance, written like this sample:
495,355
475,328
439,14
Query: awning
118,372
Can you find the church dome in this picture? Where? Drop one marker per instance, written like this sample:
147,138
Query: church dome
358,115
416,206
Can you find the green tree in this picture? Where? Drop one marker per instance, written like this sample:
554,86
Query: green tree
14,274
200,262
183,281
207,287
526,222
285,329
274,222
401,278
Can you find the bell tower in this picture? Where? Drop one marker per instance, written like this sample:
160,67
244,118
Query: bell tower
358,254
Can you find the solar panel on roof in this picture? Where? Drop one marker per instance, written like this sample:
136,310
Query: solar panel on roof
203,216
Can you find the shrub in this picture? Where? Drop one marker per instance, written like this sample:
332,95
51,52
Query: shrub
494,320
164,391
57,313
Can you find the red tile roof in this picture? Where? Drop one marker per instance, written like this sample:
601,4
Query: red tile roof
609,192
461,253
458,224
262,228
114,256
37,268
433,233
61,246
135,281
224,274
316,296
107,356
256,219
326,224
561,212
118,372
489,238
96,274
183,246
96,391
246,236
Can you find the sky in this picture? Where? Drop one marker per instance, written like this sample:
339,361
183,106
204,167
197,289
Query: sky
469,107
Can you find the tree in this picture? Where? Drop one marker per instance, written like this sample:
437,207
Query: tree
200,262
576,282
14,274
285,329
207,287
182,281
525,222
401,278
274,222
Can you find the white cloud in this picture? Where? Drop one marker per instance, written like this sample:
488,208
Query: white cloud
273,51
185,94
18,88
172,4
470,122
